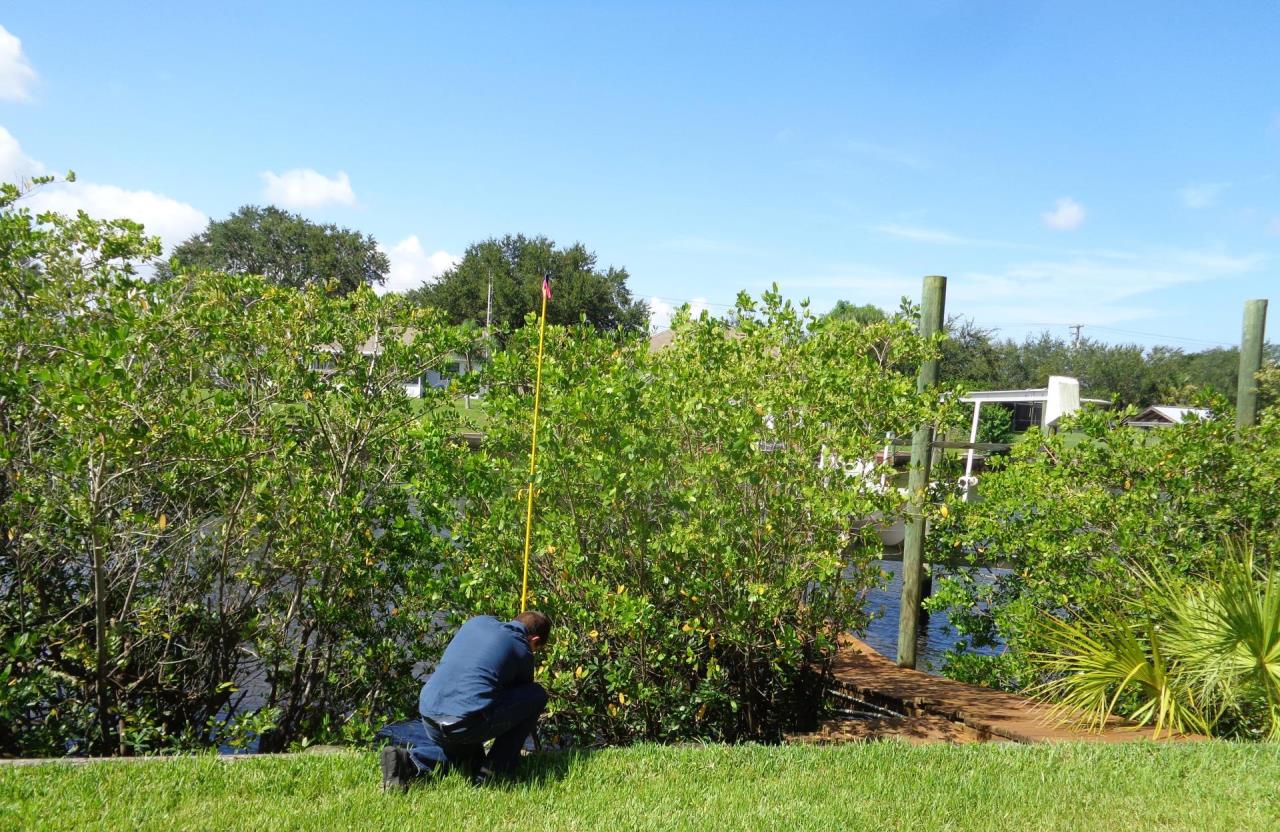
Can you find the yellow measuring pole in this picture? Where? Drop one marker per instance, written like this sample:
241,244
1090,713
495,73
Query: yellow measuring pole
533,449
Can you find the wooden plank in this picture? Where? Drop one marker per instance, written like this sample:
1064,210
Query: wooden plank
993,714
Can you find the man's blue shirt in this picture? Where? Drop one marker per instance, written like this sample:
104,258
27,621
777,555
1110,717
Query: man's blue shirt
485,656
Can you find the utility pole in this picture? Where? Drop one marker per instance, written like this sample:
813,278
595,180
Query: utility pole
1075,330
488,307
1251,341
932,305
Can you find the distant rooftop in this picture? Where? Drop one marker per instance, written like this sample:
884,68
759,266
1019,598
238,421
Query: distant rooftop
661,339
1159,415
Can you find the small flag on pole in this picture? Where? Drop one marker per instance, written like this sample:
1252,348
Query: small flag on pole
546,286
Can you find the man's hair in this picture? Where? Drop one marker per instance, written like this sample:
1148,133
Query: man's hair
535,624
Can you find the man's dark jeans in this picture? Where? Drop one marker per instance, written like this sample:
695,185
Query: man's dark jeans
508,722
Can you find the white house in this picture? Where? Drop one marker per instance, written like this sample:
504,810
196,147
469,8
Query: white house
455,365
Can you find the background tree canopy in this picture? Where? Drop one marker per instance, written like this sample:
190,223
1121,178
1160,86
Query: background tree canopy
867,313
287,249
973,357
516,265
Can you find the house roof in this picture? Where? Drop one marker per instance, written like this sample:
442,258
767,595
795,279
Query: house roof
1169,414
662,339
372,346
1028,395
1031,394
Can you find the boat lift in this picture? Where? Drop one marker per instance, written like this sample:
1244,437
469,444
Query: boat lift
1061,397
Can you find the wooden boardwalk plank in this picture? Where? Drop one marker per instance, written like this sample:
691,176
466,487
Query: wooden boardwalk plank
993,714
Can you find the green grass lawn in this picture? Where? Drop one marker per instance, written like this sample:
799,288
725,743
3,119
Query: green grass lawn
883,786
473,412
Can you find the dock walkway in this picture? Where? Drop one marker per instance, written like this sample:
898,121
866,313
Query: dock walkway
935,709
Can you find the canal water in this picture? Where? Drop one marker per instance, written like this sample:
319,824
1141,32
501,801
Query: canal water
934,642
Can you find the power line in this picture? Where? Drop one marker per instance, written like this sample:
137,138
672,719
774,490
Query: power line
1073,327
1167,337
1000,324
681,301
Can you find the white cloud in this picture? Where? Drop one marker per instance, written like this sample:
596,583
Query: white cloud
1217,263
162,216
1202,196
661,310
934,236
884,153
1274,226
14,164
411,266
172,221
306,188
659,313
921,235
16,75
1099,289
692,244
1067,214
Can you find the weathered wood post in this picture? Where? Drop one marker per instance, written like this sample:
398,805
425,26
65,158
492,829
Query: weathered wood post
1251,341
932,304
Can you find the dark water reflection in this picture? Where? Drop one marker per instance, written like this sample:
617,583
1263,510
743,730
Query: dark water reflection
933,643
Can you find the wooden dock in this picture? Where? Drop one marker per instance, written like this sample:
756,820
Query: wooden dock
934,709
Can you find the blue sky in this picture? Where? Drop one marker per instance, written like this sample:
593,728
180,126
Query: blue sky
1112,165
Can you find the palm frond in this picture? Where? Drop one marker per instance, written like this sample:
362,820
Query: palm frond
1090,674
1183,656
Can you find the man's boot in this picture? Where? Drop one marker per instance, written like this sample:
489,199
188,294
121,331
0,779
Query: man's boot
397,768
483,776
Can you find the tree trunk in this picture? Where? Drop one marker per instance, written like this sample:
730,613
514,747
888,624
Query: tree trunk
100,644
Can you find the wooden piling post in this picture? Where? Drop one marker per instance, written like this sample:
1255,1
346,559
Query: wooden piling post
1251,341
932,305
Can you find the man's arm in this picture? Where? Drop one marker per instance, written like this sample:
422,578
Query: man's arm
525,676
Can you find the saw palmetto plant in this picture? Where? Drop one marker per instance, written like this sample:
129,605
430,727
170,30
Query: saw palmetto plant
1188,655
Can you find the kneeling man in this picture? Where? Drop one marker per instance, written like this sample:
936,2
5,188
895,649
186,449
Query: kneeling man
481,690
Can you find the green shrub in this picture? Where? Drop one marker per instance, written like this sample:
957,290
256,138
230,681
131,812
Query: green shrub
995,424
695,538
1077,517
223,522
188,502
